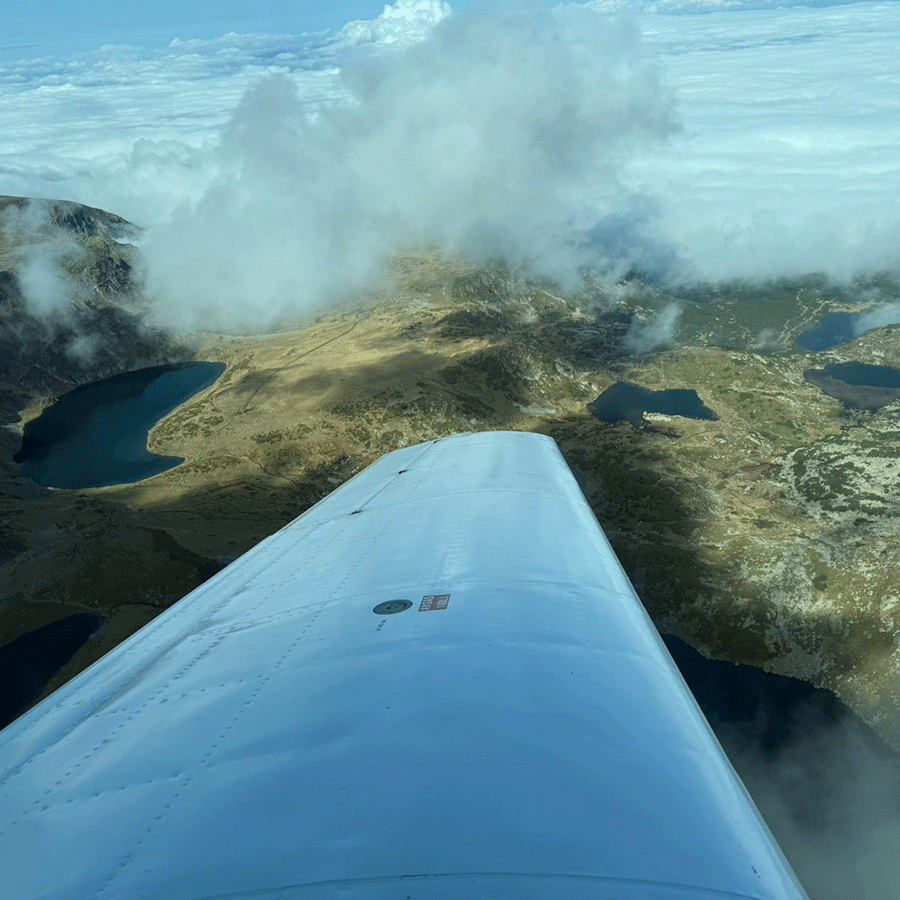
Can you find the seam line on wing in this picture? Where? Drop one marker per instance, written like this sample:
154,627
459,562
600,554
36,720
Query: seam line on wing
390,481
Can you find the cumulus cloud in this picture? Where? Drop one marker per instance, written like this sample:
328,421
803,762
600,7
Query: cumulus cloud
502,135
406,21
789,169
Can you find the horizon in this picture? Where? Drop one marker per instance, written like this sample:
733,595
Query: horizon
57,28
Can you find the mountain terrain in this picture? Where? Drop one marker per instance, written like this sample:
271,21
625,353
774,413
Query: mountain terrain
767,535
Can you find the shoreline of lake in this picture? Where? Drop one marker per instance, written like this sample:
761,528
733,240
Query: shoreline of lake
96,434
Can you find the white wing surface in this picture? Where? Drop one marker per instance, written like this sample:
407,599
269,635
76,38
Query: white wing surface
436,683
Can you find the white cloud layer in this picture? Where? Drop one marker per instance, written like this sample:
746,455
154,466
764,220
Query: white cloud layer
508,133
404,22
788,160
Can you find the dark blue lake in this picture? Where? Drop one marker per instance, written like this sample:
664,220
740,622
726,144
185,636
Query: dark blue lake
96,434
770,710
835,328
858,373
626,402
857,385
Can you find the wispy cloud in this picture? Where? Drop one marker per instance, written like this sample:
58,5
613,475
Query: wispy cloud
877,317
832,799
42,259
654,333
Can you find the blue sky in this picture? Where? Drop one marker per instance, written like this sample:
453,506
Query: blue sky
58,26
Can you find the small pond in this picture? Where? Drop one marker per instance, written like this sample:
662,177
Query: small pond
96,434
857,385
626,402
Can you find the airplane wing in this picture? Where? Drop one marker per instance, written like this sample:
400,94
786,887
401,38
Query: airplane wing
436,683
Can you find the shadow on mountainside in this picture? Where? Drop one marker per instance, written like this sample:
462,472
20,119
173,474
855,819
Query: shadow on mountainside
645,517
504,357
120,575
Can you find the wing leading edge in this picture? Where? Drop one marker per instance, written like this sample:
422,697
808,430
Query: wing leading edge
436,683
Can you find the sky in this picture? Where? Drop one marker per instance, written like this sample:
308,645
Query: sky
59,27
698,139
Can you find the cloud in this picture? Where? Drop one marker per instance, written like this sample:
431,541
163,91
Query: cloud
655,332
879,317
790,168
502,135
57,295
786,164
133,129
832,799
41,259
406,21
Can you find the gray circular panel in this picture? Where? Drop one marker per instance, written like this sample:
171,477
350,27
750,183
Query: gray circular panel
391,606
